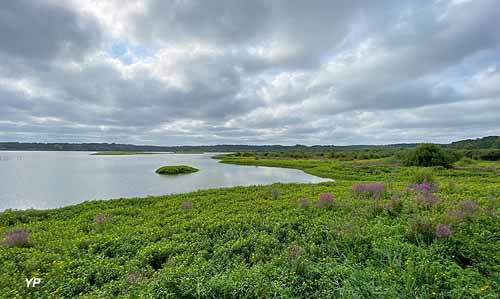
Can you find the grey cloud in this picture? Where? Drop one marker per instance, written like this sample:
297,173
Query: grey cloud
41,31
407,65
225,21
299,33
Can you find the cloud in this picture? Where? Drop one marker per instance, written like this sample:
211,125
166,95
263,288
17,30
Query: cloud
197,72
39,33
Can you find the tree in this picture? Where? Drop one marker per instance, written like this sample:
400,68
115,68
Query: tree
428,155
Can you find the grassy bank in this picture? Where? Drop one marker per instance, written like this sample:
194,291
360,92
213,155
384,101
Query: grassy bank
176,169
341,239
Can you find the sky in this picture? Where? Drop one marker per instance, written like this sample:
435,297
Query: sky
187,72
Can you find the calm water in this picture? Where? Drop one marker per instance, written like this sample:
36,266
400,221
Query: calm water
44,180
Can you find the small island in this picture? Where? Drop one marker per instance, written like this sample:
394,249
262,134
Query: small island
176,169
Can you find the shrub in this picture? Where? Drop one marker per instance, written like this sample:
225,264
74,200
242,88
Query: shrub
464,162
17,238
483,154
491,155
325,200
428,155
374,190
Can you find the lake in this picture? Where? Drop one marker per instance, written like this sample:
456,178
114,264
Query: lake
43,180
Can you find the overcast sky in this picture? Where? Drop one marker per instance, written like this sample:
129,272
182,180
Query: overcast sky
253,72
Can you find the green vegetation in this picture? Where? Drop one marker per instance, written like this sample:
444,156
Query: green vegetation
337,155
428,155
112,153
381,230
422,175
482,154
490,142
176,169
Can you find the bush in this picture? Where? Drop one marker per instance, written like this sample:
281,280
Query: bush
483,154
428,155
464,162
491,155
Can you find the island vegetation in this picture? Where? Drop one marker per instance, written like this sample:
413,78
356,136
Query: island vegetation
176,169
385,228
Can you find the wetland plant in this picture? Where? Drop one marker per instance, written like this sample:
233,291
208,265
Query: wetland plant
373,190
17,238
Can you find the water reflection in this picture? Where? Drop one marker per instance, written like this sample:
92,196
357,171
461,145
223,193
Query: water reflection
44,180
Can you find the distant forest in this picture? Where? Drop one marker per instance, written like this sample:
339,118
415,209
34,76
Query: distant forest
490,142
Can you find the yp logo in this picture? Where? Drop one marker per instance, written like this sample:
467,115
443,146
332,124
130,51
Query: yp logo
32,282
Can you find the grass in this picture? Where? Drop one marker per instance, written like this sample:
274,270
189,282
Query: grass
115,153
176,169
283,240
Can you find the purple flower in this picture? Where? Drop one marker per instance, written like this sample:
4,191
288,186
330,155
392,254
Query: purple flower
457,215
422,229
325,199
465,210
18,237
427,199
100,218
187,205
469,207
374,190
425,186
443,230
